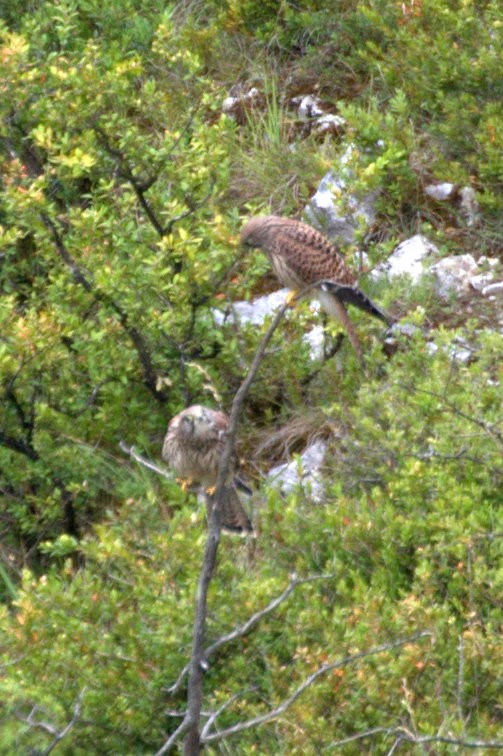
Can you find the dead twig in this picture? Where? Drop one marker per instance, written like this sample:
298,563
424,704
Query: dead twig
284,705
402,734
250,623
57,735
131,452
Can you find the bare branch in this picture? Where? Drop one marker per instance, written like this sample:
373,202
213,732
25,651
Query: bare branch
190,724
403,734
27,423
75,717
87,404
420,739
45,726
214,716
130,450
245,628
275,713
360,736
170,742
141,187
57,735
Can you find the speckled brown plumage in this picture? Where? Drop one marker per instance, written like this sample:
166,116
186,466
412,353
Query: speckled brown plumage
301,256
304,252
193,446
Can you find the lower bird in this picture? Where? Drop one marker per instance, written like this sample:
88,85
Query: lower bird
300,257
193,446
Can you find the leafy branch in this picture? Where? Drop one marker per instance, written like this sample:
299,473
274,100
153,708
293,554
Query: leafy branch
140,187
150,375
487,427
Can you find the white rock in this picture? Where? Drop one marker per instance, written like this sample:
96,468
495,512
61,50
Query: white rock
304,471
308,106
315,338
329,123
325,210
461,355
408,330
481,281
440,192
230,104
491,262
254,312
454,274
494,289
409,258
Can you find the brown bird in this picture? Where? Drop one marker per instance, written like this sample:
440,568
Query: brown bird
301,256
193,446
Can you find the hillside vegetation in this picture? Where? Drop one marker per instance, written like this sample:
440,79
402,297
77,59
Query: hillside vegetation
124,186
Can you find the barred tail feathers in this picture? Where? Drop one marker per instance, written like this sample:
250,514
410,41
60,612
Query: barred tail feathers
233,516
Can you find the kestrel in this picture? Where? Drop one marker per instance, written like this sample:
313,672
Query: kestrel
193,446
301,256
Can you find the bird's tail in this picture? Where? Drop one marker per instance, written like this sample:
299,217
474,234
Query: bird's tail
354,296
233,516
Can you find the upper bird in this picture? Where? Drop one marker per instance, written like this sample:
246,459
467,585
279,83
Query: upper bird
300,256
193,446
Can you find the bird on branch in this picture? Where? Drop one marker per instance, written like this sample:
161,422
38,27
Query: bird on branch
301,257
193,447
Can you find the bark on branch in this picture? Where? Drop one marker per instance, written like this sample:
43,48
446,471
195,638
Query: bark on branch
190,723
21,447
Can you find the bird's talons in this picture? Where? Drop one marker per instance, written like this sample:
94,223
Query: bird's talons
184,483
291,298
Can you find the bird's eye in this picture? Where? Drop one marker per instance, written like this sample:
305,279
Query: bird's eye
187,424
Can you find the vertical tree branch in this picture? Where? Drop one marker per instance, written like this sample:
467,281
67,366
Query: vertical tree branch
192,744
197,664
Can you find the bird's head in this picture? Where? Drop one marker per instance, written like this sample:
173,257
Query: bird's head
256,231
196,421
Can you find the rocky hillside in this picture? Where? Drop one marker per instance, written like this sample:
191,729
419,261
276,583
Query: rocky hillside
136,140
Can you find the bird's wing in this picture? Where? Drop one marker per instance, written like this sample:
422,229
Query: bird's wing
313,257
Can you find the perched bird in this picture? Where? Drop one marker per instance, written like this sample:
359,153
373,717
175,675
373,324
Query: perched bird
301,256
193,446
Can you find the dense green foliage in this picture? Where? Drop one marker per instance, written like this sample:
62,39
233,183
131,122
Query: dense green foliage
123,188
